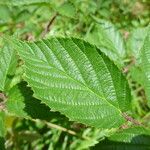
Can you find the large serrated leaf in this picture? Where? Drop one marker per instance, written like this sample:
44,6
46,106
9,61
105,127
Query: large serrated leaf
109,40
75,78
145,58
8,63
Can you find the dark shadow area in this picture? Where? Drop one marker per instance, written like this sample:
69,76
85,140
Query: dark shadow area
32,106
2,142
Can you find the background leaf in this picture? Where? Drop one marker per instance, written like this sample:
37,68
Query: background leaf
129,135
134,138
67,9
23,2
107,37
135,42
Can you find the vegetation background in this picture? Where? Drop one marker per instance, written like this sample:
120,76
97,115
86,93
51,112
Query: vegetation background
36,19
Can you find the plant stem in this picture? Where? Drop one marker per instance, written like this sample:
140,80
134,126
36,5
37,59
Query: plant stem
51,125
130,119
47,29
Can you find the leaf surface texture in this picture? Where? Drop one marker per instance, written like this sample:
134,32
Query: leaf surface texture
75,78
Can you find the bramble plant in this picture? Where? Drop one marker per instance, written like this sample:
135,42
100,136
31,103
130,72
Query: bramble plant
84,86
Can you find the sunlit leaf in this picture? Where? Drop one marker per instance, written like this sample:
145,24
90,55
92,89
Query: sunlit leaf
75,78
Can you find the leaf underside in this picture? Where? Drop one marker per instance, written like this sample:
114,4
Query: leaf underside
75,78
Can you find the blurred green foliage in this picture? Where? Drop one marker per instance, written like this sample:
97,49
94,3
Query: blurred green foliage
77,18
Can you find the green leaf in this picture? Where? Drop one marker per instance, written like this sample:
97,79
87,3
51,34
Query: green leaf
127,135
145,58
134,45
67,9
75,78
22,2
5,14
137,74
21,104
135,42
8,64
135,138
108,39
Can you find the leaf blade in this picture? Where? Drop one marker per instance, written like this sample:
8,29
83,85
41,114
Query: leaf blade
69,75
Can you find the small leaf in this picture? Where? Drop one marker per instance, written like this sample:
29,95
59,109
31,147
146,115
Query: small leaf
67,9
73,77
5,14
